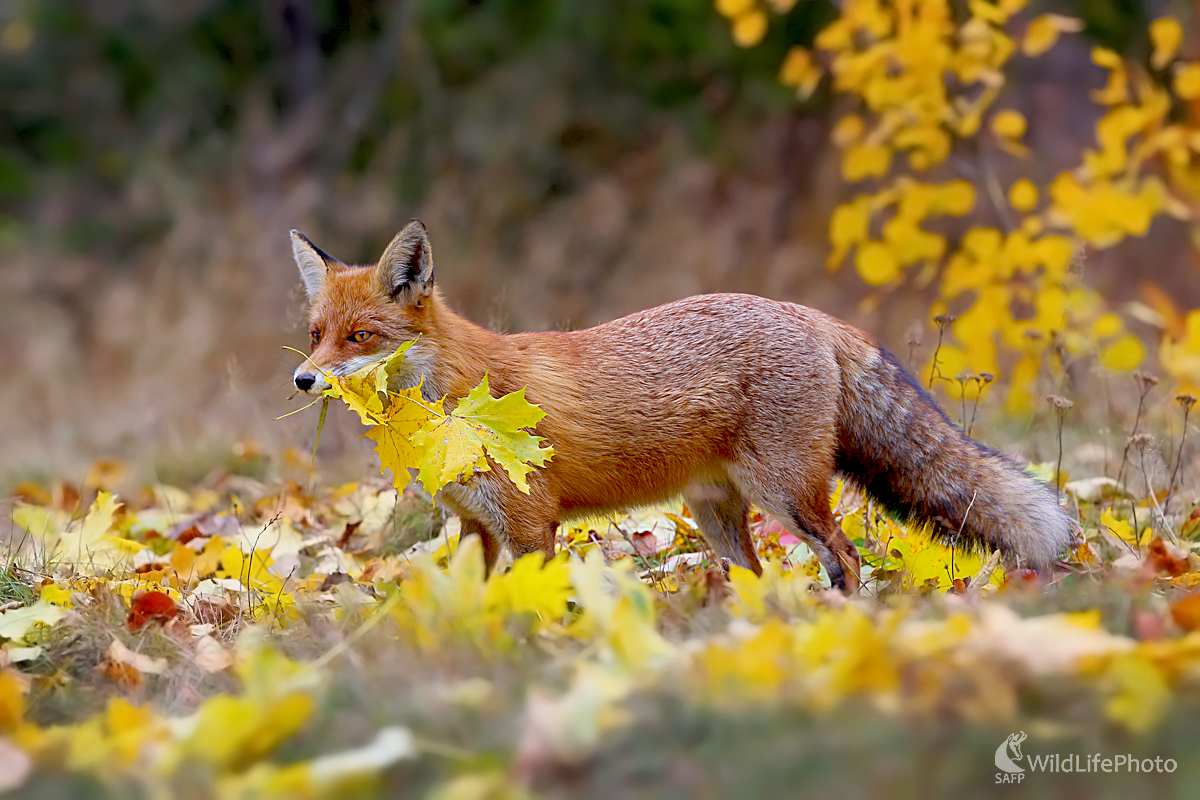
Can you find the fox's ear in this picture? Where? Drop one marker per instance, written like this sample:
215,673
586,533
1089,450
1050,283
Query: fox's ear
314,263
406,267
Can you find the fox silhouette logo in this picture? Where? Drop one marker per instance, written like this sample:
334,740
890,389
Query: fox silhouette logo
1006,762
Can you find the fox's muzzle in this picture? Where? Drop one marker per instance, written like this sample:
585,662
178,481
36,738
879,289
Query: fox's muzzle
309,382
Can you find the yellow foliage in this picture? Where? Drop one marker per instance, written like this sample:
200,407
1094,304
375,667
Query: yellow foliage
849,224
732,9
1042,33
893,61
877,264
1187,81
1008,124
866,161
800,71
750,27
1023,195
1166,34
847,130
955,198
1181,356
1124,354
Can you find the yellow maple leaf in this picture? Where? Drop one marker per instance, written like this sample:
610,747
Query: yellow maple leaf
365,390
16,623
1123,529
454,444
393,436
12,703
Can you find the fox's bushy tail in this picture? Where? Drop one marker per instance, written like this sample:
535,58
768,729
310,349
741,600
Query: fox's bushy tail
898,445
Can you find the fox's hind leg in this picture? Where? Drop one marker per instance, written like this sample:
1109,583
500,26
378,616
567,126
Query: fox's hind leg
720,510
802,507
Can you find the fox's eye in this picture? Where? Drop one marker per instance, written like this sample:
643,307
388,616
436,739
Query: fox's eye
316,337
360,336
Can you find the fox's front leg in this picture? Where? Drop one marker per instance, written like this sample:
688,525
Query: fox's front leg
530,520
491,543
532,538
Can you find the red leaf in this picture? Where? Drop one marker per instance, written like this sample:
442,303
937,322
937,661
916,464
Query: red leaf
644,543
151,606
1164,560
188,534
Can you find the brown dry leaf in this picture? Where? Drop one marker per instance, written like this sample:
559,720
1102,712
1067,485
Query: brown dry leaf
716,586
213,610
67,497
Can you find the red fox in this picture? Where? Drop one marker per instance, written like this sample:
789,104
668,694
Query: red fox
727,399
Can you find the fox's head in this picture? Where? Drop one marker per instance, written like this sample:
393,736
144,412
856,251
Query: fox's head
359,314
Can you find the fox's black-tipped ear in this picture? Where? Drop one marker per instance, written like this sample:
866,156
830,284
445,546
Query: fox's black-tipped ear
314,263
406,268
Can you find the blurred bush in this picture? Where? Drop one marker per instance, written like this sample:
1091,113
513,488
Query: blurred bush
95,93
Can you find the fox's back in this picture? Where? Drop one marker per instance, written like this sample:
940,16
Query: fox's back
712,352
679,388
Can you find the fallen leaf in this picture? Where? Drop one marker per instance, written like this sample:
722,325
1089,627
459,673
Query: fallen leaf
644,543
1186,612
121,654
16,624
211,656
149,606
1167,558
1045,645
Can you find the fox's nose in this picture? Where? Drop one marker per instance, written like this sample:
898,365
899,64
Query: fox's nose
305,381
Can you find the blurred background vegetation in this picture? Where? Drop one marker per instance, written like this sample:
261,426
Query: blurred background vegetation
573,160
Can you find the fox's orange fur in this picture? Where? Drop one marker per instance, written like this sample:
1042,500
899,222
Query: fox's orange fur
726,399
